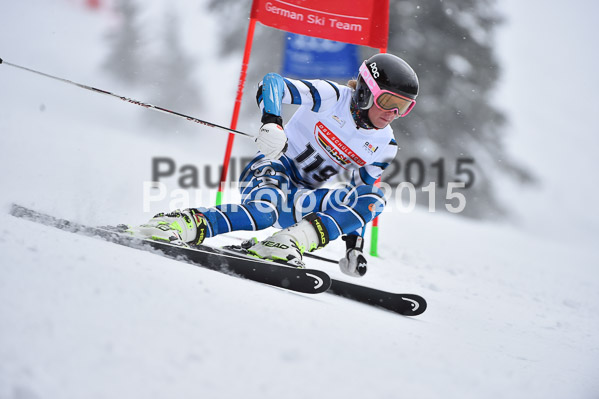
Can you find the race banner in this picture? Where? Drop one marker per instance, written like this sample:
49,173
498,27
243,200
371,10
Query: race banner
364,22
314,58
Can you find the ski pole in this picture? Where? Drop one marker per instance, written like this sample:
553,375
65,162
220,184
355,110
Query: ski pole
129,100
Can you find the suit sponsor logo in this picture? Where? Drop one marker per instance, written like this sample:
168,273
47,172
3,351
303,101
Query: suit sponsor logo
340,121
337,149
370,148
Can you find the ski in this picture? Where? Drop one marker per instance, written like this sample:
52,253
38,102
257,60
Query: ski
308,281
404,304
233,262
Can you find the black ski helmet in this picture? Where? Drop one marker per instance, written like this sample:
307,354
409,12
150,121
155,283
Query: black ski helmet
390,73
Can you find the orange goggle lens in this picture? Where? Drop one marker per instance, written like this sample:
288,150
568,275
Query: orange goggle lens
394,102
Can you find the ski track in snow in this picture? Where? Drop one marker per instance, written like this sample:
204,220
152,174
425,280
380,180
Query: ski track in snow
511,313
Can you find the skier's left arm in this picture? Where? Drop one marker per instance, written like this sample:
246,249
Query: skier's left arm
354,262
275,90
368,174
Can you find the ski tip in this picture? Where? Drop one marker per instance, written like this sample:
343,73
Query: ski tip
417,304
321,280
0,60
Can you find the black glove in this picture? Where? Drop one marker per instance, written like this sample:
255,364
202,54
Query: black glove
354,263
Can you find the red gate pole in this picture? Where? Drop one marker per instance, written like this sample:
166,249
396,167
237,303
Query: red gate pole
244,68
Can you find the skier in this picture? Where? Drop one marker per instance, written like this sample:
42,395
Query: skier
335,128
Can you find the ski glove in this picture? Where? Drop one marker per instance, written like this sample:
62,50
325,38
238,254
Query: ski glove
354,263
271,141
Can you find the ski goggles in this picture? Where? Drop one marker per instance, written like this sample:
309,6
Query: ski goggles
385,99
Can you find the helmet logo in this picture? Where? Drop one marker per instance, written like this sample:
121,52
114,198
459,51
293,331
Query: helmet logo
374,70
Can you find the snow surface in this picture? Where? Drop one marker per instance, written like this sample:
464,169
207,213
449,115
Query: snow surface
513,307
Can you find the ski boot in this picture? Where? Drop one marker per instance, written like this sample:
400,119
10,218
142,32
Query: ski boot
184,228
287,246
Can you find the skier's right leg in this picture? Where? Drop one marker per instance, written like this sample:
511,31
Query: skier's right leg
265,188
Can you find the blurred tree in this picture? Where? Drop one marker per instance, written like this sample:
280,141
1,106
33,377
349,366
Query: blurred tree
450,44
125,58
455,132
172,80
